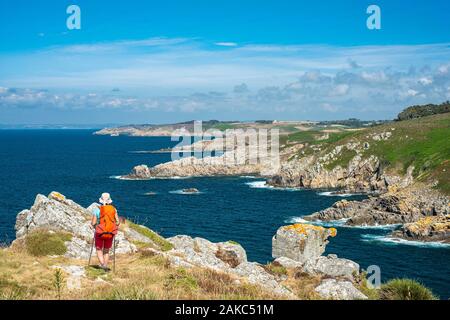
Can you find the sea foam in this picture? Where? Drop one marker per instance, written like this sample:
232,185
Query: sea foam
183,192
335,194
397,241
341,223
264,185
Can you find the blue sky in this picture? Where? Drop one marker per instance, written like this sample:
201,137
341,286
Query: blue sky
165,61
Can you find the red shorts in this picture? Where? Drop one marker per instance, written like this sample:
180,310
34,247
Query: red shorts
101,243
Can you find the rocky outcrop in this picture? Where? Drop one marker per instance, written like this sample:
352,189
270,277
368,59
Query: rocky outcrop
394,207
195,167
58,213
300,247
225,257
350,166
300,242
361,175
435,228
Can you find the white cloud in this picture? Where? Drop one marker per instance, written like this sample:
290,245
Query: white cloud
412,93
341,89
187,75
226,44
425,81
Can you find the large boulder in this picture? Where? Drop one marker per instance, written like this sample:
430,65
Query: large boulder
301,242
204,253
57,213
332,266
226,257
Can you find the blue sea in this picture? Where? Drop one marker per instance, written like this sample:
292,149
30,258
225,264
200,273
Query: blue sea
82,166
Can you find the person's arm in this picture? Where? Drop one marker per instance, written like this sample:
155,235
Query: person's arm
94,220
95,215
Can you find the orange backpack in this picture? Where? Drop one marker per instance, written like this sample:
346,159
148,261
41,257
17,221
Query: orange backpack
107,227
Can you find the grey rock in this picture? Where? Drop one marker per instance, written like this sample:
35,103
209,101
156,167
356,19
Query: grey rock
287,263
200,252
255,274
332,266
231,253
78,248
301,242
339,290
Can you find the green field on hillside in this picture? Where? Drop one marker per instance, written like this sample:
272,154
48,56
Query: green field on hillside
422,143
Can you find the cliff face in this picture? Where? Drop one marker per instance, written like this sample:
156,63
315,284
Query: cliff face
297,248
349,167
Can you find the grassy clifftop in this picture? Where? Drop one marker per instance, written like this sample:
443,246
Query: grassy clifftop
422,143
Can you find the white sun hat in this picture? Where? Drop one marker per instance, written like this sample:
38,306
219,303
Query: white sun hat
105,198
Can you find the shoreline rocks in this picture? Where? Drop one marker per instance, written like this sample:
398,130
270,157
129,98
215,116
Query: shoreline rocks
194,167
396,207
428,229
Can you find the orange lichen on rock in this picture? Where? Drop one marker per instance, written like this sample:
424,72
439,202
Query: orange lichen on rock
437,223
333,232
58,195
303,228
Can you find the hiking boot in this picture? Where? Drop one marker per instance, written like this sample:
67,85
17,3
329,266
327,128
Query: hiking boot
105,268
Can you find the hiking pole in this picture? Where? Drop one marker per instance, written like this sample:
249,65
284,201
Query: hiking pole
92,247
114,253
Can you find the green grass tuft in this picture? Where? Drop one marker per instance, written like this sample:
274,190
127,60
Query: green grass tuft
44,242
405,289
134,292
276,269
12,290
182,279
156,238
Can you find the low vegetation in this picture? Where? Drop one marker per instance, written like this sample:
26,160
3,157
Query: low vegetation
423,111
162,243
47,242
405,289
148,276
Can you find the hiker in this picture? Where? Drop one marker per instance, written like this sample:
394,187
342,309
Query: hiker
106,222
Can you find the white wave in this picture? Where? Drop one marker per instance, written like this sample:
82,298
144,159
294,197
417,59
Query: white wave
333,223
125,178
249,177
378,226
264,185
259,185
397,241
336,194
151,178
184,192
141,151
341,223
